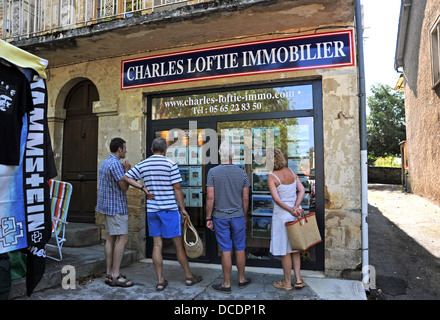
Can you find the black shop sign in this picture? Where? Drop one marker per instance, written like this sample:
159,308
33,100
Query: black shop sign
317,51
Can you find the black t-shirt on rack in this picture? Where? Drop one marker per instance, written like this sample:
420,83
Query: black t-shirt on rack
15,102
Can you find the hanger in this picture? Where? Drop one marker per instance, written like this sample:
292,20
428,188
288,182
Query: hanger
22,59
6,63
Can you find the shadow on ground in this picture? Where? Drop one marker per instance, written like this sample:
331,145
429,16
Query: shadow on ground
404,269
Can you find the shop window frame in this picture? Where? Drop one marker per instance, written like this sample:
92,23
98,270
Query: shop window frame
315,113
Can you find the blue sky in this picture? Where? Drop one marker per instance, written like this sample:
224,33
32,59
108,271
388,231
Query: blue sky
381,18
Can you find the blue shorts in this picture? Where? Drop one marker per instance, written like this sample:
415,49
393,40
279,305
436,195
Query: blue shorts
164,223
230,232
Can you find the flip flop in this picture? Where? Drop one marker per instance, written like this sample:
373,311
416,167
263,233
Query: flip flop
161,286
300,285
280,285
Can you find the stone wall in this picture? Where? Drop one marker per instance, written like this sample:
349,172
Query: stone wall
342,173
421,102
385,175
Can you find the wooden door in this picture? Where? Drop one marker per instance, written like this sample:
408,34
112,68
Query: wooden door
80,149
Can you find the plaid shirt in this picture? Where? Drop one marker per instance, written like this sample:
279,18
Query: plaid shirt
111,199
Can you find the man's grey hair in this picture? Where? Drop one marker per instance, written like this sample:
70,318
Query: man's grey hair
159,145
226,151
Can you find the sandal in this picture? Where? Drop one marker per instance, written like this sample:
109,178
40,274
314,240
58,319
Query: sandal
280,285
162,285
108,278
300,285
125,283
193,280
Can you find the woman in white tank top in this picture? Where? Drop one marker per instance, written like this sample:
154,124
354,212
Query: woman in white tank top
287,192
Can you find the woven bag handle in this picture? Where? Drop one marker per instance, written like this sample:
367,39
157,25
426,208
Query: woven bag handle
188,225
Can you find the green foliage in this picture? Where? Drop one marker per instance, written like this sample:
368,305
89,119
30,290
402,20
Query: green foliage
371,159
386,126
389,161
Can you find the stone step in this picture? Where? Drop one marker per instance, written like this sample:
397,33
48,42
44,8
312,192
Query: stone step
82,235
85,261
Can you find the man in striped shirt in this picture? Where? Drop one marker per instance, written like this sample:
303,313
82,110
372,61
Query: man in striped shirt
162,178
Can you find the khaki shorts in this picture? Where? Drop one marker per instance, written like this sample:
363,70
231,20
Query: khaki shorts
117,224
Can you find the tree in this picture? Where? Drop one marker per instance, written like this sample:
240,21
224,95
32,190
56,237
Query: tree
386,126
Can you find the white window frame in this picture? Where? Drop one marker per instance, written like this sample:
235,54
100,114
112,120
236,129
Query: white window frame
435,53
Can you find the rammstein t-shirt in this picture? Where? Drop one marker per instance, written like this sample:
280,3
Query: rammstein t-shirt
15,102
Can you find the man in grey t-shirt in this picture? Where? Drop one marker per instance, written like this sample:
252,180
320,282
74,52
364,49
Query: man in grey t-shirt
227,202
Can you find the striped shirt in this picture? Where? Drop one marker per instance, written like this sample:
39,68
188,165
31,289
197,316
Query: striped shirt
159,174
111,199
228,181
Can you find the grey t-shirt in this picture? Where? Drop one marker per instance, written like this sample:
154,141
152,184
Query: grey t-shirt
228,181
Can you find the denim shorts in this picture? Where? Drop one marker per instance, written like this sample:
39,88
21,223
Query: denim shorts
230,232
164,223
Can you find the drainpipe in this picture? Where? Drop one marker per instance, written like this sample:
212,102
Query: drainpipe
363,146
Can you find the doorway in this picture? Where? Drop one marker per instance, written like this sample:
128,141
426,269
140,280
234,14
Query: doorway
287,116
80,151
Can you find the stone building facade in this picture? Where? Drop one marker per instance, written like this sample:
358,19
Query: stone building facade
417,56
86,61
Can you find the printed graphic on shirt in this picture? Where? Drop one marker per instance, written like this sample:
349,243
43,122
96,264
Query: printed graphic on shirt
7,93
15,102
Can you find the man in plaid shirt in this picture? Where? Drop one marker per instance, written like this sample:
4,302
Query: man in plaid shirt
112,202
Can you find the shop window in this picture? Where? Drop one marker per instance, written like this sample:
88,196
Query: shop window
253,119
435,53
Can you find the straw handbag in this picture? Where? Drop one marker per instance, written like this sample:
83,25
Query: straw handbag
194,248
303,233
